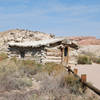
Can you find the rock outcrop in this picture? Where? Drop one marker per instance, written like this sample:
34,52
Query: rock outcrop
21,35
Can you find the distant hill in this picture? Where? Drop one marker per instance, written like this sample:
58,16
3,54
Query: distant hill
88,45
88,40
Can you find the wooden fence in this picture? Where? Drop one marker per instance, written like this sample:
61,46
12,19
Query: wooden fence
82,79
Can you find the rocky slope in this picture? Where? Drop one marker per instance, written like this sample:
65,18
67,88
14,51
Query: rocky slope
21,35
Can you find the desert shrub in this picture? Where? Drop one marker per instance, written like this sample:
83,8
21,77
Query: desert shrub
53,68
11,77
96,60
10,82
14,59
83,59
59,86
89,57
16,76
29,62
72,83
3,56
29,67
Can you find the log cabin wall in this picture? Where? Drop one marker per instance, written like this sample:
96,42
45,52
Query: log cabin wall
46,54
53,54
36,54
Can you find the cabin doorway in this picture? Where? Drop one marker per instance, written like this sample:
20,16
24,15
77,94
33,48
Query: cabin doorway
65,51
64,55
22,54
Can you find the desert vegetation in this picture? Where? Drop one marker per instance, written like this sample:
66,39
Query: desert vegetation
28,80
96,60
3,56
84,59
88,58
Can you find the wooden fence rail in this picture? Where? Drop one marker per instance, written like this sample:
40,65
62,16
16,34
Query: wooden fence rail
93,88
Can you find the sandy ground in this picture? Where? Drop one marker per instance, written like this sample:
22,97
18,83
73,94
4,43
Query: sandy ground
92,71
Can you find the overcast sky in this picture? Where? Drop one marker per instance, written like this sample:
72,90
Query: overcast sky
61,17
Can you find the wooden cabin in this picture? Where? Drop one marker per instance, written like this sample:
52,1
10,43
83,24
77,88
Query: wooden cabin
51,50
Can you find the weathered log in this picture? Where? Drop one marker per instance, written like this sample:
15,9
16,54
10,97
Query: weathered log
93,88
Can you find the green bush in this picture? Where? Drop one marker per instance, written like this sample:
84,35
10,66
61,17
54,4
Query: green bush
83,59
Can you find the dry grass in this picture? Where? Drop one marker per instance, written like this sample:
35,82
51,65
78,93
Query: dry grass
12,78
84,59
53,68
16,74
73,83
54,80
3,56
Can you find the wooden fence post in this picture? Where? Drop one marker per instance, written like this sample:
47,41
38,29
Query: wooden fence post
83,80
83,77
75,71
69,67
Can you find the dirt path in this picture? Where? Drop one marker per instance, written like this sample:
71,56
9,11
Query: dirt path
92,71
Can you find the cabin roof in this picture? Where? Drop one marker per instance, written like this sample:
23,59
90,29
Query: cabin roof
40,43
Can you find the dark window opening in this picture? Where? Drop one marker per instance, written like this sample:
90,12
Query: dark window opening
66,51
